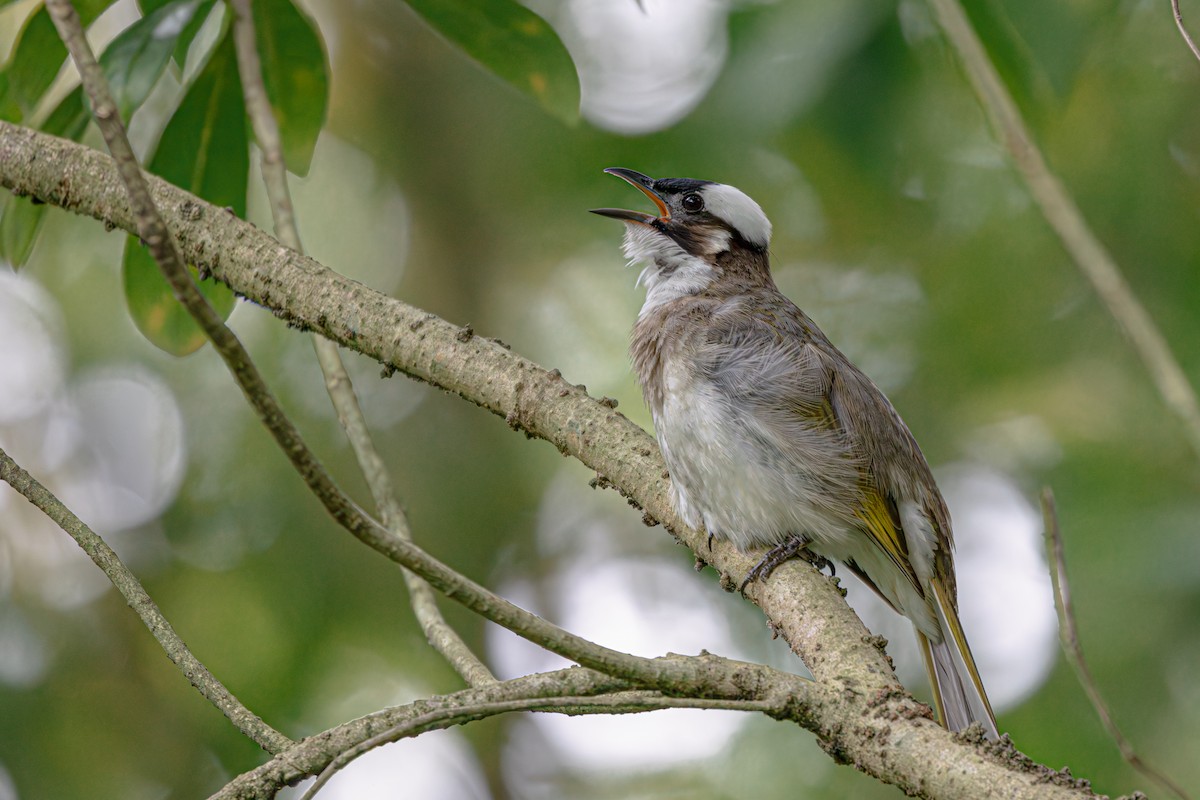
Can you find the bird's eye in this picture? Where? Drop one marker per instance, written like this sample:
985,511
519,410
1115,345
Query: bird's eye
693,203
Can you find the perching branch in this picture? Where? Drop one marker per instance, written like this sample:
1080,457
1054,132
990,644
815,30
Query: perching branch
1060,211
857,709
144,606
1068,633
440,635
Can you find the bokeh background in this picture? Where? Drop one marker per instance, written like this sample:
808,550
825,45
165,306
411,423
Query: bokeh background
900,228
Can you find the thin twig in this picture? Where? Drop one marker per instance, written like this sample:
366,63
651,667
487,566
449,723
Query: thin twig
1187,37
1069,634
440,635
144,606
633,702
568,691
1064,217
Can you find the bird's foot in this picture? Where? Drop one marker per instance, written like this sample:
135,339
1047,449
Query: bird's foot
792,547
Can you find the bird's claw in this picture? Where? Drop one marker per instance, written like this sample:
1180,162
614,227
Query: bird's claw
792,547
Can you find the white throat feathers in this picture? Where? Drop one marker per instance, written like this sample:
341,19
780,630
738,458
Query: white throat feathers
668,271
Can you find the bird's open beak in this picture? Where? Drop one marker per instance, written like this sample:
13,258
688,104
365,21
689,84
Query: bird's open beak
646,185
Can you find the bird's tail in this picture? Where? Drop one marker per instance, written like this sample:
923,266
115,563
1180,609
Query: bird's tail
957,690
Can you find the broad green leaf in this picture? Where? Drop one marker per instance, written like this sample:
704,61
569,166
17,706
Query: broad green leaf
135,60
204,150
36,59
190,30
296,74
21,219
9,110
88,10
37,56
193,28
70,118
512,42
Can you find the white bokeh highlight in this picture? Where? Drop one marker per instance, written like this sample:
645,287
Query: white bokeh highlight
109,443
32,364
642,67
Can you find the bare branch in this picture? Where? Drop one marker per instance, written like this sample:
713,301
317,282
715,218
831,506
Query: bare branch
1187,37
1065,218
712,682
440,635
1069,634
632,702
144,606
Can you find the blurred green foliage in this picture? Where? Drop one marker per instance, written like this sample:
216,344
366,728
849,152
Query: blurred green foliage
853,127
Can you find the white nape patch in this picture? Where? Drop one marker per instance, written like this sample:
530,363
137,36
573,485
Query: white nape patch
741,213
669,272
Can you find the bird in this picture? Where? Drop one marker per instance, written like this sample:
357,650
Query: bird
772,437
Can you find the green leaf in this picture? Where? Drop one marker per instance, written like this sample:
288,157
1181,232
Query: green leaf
512,42
20,221
135,60
88,10
36,58
190,30
204,150
295,71
193,28
70,118
9,110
